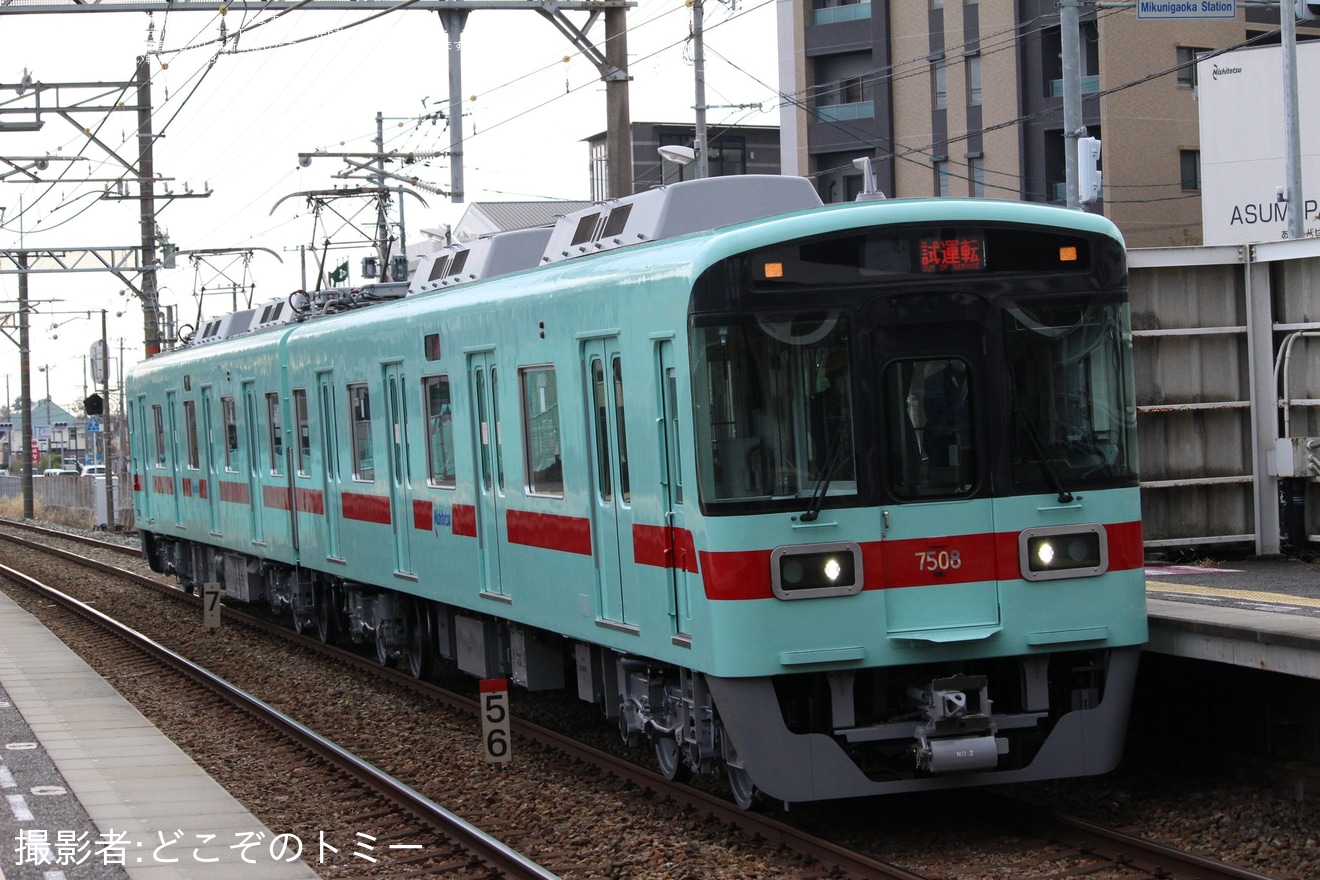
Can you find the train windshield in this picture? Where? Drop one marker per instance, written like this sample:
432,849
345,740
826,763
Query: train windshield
1071,395
774,413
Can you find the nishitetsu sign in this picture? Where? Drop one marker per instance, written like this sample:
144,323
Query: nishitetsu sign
1243,169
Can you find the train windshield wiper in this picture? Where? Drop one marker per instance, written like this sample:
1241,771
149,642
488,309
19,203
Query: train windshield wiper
1065,497
818,496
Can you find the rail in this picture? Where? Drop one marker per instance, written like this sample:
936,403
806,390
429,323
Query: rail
491,851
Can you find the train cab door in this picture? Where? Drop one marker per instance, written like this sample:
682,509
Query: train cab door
933,416
611,520
209,459
400,485
680,561
252,432
483,376
327,417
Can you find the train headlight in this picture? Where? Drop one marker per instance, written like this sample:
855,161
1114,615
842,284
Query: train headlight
808,571
1063,552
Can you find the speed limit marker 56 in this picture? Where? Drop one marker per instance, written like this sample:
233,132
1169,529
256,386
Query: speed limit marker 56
495,720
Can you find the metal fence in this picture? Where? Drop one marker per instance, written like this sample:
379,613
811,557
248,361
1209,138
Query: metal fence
71,499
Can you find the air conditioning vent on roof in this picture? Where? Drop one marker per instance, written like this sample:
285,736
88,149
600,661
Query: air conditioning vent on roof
678,209
486,257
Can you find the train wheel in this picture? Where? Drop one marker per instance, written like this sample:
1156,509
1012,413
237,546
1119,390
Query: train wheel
327,626
669,756
740,785
420,639
383,655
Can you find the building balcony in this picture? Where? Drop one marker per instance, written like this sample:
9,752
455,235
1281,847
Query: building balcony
844,112
836,14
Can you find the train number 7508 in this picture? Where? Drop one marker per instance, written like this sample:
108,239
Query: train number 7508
938,560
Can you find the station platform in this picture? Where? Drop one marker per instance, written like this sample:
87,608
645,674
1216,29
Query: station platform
91,790
1261,613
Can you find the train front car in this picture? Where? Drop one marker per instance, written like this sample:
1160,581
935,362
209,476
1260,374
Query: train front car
920,539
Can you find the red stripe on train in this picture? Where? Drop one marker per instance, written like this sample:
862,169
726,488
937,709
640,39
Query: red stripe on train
162,485
465,520
423,512
188,491
910,563
275,497
310,501
235,492
651,547
571,534
366,508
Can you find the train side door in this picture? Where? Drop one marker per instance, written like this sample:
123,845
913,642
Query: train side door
490,507
934,376
207,441
141,457
252,427
671,482
611,519
172,438
401,513
328,420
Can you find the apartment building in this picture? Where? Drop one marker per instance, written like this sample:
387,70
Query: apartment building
965,98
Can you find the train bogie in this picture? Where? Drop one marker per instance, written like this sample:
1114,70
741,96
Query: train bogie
837,503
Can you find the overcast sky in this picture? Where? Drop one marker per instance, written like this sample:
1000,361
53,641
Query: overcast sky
237,120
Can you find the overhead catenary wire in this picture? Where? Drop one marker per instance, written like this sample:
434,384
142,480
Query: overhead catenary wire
181,99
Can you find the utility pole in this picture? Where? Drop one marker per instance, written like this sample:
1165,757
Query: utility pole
618,115
1073,129
25,384
1292,139
106,431
699,70
146,181
382,219
453,22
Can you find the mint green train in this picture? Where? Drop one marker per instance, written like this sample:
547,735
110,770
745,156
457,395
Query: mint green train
833,500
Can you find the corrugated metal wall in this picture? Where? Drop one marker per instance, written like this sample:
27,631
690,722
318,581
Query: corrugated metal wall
1219,335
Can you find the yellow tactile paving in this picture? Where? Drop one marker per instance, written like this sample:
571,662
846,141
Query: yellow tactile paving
1241,595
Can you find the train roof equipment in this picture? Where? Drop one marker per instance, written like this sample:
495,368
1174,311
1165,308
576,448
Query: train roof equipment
486,257
668,211
677,209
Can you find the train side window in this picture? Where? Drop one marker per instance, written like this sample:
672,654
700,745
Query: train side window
159,418
616,369
276,432
190,430
359,406
540,397
231,433
439,431
672,435
604,473
304,429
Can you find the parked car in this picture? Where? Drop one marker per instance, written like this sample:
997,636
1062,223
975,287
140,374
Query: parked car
55,472
94,470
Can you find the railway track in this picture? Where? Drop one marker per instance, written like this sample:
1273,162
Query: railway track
1085,847
355,779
